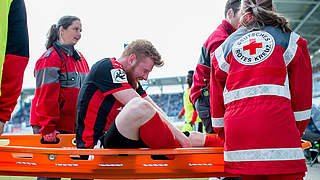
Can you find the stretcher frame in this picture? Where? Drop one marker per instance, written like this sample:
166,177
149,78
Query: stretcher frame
24,155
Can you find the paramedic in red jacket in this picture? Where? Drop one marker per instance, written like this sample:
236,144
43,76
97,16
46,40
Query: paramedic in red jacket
261,95
59,74
14,55
199,95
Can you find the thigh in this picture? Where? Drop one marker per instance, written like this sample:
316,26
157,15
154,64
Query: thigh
114,139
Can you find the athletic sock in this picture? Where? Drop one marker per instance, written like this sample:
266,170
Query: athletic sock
213,141
156,134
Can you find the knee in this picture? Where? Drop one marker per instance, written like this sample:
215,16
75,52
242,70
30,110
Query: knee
140,107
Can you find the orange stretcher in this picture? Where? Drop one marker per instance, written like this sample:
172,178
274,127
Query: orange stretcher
24,155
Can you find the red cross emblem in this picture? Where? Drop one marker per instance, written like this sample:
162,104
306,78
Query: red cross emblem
252,46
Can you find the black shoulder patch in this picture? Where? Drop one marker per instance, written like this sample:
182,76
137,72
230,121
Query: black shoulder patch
48,53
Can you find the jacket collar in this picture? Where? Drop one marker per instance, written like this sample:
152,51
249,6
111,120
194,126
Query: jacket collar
67,48
228,27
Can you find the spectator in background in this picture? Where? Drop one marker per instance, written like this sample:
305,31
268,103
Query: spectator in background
261,96
199,95
59,74
191,119
14,55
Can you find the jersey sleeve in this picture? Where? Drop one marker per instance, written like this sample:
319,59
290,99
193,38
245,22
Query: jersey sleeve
141,91
300,81
109,78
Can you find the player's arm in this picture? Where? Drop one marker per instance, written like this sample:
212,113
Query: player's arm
124,96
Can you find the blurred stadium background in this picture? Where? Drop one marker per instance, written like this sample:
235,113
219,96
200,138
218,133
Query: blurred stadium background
167,92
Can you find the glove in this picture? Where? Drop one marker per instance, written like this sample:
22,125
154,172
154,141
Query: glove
51,137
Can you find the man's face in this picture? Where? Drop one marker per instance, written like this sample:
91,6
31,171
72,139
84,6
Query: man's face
139,70
189,79
235,19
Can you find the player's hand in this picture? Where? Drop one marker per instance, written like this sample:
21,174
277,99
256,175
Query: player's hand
51,137
183,140
1,127
179,116
197,139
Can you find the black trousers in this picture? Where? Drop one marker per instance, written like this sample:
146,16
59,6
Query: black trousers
202,105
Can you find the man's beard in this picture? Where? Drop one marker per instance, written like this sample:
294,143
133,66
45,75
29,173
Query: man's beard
130,76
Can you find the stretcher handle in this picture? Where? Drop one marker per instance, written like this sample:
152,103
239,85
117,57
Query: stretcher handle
42,141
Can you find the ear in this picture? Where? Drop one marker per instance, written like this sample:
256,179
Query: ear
61,29
230,14
132,59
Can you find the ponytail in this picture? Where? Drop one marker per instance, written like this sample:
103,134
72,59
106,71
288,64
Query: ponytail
257,14
52,36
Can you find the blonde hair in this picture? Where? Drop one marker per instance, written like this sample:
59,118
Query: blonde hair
257,14
143,48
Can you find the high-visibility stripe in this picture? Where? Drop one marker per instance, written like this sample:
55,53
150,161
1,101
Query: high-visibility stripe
302,115
217,122
291,50
275,154
258,90
47,75
223,65
51,75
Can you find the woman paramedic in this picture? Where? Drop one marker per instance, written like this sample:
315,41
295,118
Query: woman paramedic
59,74
261,95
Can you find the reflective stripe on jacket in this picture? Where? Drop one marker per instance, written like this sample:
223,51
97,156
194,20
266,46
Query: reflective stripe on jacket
54,104
261,97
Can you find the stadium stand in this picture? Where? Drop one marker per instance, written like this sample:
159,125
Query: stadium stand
170,103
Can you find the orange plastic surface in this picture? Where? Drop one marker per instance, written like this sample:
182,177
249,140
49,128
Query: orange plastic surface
24,155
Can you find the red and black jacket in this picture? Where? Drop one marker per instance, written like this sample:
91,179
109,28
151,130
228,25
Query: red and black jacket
202,70
58,82
16,49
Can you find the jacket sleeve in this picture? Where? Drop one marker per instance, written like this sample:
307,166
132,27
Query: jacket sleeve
202,70
14,54
182,111
300,81
217,83
194,117
47,106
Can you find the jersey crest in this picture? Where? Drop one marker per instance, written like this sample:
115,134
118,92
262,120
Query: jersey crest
118,76
253,48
